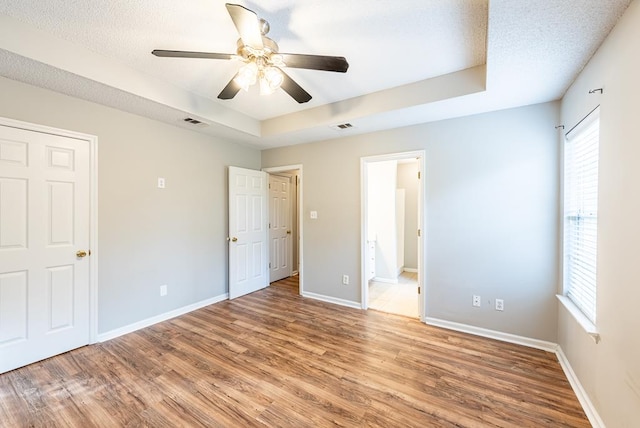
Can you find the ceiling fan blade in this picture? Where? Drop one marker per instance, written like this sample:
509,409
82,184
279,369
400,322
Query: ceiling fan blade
292,88
247,24
230,90
187,54
316,62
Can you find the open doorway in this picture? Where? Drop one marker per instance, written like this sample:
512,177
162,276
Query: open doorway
285,226
392,207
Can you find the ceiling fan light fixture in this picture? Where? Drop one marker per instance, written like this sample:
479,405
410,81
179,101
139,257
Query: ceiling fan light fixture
247,75
262,62
265,89
277,60
270,79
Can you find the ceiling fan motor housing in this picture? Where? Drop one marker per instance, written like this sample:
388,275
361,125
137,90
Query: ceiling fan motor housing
246,52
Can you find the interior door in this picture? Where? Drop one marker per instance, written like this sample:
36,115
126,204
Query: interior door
44,241
248,233
279,227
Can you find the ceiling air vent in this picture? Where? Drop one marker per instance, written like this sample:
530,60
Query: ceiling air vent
341,126
194,121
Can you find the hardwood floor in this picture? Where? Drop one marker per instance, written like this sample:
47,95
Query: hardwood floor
273,358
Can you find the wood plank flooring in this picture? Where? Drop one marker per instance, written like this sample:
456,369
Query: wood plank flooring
273,358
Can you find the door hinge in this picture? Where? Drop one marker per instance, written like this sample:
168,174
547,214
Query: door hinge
418,175
269,265
269,225
269,185
418,290
419,233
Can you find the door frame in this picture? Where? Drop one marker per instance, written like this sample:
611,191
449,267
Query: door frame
420,156
92,140
298,167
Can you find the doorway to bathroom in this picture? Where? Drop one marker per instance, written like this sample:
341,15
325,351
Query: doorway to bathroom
392,238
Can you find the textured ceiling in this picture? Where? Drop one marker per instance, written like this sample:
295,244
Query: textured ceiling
411,61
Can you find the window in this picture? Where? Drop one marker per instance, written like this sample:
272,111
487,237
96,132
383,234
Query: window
581,214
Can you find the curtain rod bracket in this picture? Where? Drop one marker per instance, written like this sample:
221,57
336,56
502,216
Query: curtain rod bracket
593,91
560,127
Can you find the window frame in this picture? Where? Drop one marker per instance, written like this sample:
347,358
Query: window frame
580,295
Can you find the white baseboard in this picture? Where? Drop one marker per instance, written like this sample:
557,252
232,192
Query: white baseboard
581,394
103,337
385,280
412,270
334,300
493,334
583,397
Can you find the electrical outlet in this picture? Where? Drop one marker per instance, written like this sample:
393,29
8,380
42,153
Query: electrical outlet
499,305
345,279
163,290
160,183
314,214
476,301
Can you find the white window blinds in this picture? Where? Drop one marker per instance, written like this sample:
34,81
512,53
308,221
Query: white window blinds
581,213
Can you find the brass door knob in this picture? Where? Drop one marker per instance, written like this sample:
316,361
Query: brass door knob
81,253
234,239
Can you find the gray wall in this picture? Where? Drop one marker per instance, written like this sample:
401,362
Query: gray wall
492,228
408,180
610,370
147,236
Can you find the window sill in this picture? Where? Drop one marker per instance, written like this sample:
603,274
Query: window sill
585,323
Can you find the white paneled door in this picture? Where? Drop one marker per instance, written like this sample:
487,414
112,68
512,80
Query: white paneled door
279,227
44,244
248,233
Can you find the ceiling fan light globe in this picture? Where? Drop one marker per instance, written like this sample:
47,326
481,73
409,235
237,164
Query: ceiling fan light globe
273,77
277,60
265,88
247,75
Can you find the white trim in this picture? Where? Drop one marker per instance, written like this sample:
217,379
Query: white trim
493,334
364,241
583,397
103,337
93,241
412,270
583,321
93,208
334,300
300,271
385,280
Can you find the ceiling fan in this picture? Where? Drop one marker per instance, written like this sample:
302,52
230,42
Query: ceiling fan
262,61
